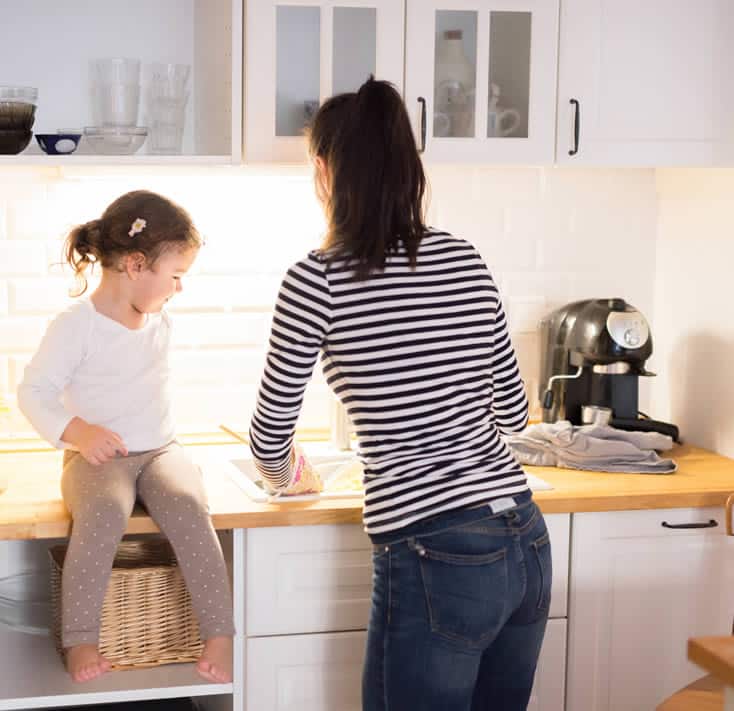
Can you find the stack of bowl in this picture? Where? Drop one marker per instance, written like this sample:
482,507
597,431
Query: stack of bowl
17,114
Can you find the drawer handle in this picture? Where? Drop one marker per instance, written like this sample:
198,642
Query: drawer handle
711,524
576,126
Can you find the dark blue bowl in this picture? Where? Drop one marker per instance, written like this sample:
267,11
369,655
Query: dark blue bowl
58,144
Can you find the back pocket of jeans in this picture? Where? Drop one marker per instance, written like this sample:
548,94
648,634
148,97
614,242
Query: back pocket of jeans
466,594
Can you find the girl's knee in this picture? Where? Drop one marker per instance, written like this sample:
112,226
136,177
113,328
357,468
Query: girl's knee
109,516
179,507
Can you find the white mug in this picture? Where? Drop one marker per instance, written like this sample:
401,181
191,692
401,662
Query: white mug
497,122
441,124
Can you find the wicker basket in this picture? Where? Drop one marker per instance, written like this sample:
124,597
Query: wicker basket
147,618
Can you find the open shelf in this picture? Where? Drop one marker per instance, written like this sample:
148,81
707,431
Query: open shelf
33,676
69,161
49,46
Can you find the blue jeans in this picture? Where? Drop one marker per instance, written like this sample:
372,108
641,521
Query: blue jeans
459,607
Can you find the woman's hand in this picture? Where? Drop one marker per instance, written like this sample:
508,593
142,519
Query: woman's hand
95,443
305,478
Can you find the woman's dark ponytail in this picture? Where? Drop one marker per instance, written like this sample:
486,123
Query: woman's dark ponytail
377,183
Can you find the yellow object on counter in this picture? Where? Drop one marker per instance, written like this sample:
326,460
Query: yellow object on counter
348,478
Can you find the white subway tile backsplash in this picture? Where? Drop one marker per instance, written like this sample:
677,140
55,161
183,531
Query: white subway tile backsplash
524,316
214,329
527,286
203,408
21,258
549,235
317,403
3,219
19,334
605,187
16,366
693,331
4,374
210,293
47,296
238,366
29,217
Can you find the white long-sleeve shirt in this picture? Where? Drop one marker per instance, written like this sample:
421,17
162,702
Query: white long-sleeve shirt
92,367
423,362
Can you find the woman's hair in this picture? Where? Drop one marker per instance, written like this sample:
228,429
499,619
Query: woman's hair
376,178
139,221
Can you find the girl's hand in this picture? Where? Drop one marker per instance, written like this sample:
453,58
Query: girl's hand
96,444
99,445
305,478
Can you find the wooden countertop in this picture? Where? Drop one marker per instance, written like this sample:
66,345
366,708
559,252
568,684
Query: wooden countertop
32,507
715,655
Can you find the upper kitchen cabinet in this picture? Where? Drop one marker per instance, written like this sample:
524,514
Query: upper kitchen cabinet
646,83
156,81
300,52
480,80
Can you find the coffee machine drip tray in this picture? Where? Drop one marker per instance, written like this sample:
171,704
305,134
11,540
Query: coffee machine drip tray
618,368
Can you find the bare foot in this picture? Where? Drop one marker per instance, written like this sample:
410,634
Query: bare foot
84,662
215,662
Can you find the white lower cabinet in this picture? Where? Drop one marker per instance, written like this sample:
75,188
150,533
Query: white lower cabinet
307,604
550,676
311,672
642,583
323,672
304,579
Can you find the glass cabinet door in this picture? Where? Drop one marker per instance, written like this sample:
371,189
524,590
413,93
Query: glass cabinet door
481,77
300,52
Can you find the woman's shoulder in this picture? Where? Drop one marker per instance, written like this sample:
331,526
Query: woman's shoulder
436,236
440,239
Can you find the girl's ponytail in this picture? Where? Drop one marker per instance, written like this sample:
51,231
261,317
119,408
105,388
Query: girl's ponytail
81,250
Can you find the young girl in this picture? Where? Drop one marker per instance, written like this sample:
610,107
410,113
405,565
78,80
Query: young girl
98,387
414,341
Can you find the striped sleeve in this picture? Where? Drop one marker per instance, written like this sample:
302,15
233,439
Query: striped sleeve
510,402
300,324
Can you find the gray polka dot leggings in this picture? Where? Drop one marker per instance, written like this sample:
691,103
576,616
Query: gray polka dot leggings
101,499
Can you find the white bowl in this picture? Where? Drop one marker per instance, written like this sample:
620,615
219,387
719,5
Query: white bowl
114,140
25,602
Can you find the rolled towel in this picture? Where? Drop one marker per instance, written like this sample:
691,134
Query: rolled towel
594,448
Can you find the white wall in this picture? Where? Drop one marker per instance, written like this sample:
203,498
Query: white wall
550,235
694,308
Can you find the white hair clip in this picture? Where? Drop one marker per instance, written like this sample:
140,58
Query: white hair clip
137,226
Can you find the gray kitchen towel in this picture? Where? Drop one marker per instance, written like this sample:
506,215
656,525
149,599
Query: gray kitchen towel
593,447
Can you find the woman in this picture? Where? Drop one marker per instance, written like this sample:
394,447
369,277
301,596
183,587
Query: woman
414,342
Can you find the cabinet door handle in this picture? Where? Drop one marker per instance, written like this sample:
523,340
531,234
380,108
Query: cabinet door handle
422,102
576,126
729,523
711,524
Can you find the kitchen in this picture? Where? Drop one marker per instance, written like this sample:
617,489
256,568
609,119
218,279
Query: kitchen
637,212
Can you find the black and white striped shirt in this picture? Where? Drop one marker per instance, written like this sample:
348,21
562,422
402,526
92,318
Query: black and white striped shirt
423,362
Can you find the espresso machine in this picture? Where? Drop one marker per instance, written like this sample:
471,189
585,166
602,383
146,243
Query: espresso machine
593,354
